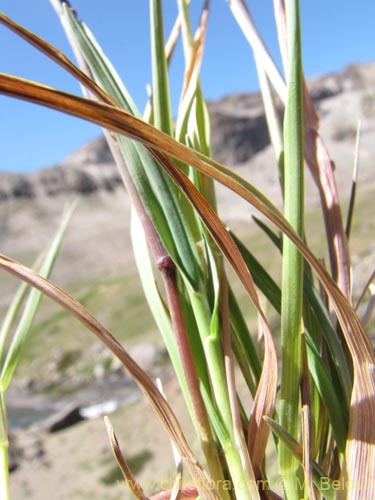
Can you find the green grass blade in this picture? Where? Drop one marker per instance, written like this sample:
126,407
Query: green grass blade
160,85
292,272
261,277
195,340
12,313
321,480
242,332
331,338
276,239
322,316
10,317
327,389
207,325
155,189
14,352
159,200
338,417
213,353
4,450
84,43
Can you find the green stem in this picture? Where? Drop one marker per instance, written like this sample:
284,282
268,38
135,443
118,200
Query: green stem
161,101
4,446
244,487
214,356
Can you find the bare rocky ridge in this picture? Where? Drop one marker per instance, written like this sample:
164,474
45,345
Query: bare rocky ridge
31,205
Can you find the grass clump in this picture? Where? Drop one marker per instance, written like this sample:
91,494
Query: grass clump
318,422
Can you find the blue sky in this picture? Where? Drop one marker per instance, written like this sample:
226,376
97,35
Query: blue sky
335,34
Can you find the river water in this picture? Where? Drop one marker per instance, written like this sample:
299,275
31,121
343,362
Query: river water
25,408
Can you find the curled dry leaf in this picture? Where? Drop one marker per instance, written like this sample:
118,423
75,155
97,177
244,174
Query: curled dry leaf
131,482
196,54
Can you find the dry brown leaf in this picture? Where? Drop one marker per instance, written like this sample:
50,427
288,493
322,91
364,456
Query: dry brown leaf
131,482
196,55
58,57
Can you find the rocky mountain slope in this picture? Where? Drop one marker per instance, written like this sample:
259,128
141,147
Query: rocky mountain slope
98,239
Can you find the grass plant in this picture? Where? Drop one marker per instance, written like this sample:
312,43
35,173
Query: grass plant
319,421
14,332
